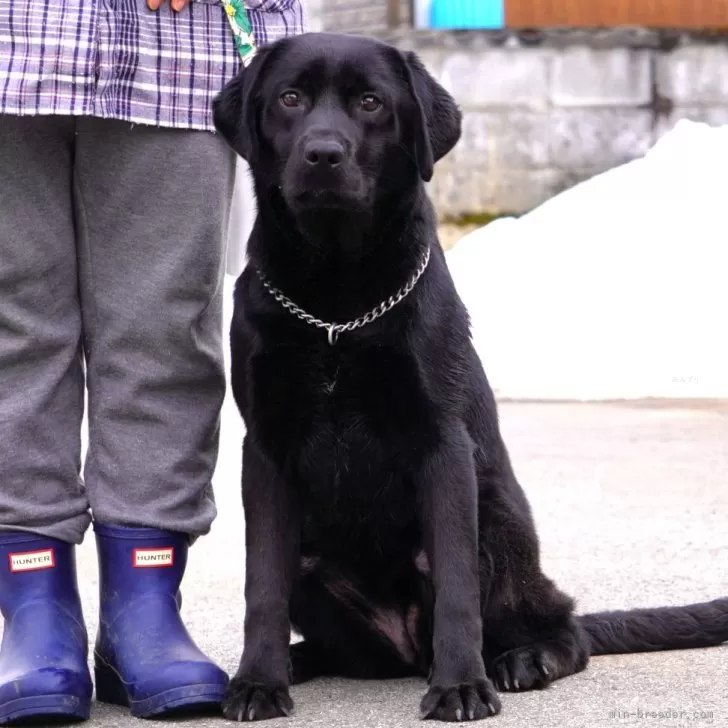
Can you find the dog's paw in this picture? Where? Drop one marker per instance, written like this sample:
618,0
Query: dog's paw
469,701
246,700
525,668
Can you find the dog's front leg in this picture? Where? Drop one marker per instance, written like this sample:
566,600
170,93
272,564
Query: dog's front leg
459,688
259,690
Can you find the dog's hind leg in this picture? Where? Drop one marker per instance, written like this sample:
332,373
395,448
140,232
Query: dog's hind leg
535,643
531,637
307,662
347,634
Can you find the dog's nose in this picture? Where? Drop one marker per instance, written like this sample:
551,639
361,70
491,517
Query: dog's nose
324,153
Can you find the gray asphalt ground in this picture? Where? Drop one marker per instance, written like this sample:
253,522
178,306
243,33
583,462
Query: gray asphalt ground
632,507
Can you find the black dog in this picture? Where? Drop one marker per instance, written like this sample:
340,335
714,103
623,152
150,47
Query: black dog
384,520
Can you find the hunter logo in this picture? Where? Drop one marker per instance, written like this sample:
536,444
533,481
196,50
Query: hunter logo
32,561
151,558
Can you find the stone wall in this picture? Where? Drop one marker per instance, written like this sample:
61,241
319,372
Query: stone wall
538,120
544,110
360,16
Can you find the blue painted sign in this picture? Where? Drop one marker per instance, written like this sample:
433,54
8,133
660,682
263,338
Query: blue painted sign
465,14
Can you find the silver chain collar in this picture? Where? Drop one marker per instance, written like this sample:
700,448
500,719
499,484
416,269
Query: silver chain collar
334,330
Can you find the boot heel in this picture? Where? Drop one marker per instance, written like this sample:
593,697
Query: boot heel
109,688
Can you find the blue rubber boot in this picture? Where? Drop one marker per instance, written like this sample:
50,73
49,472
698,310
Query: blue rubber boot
43,659
145,658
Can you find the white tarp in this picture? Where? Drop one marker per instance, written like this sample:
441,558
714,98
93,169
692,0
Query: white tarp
616,288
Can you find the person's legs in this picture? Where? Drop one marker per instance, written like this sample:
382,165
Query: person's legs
43,508
41,388
153,208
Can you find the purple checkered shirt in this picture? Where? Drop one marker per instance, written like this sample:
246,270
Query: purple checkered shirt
118,59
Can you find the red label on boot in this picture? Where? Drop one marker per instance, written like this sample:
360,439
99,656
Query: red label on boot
152,558
32,560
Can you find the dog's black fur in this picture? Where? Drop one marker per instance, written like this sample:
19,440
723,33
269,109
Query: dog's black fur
384,520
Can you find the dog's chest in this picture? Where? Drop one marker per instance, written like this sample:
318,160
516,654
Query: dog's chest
345,421
329,381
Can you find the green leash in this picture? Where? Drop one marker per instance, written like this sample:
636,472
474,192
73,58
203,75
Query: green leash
242,28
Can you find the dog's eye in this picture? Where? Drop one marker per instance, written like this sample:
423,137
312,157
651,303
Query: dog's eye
291,99
370,103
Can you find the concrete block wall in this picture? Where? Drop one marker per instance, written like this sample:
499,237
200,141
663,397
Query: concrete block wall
539,117
694,79
537,121
361,16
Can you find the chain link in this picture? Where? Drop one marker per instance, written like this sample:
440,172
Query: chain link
333,329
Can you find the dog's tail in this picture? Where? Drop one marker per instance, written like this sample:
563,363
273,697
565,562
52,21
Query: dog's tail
663,628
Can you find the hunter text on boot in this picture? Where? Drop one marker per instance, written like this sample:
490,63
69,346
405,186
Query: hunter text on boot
150,558
32,561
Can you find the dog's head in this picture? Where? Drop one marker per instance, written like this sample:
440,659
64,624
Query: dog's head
333,121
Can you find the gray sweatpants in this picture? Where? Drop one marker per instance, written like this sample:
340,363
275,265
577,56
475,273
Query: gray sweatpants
111,273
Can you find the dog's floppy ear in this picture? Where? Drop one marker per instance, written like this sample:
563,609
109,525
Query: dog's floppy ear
440,127
234,110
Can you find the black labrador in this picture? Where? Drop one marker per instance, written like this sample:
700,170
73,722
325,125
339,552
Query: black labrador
384,521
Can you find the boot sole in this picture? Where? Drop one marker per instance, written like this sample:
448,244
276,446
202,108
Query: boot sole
63,707
110,689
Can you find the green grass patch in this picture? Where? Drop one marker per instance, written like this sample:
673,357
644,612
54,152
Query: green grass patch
474,219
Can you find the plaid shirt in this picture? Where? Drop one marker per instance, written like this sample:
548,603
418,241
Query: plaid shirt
117,59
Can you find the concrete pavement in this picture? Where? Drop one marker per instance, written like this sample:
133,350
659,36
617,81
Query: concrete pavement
632,506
